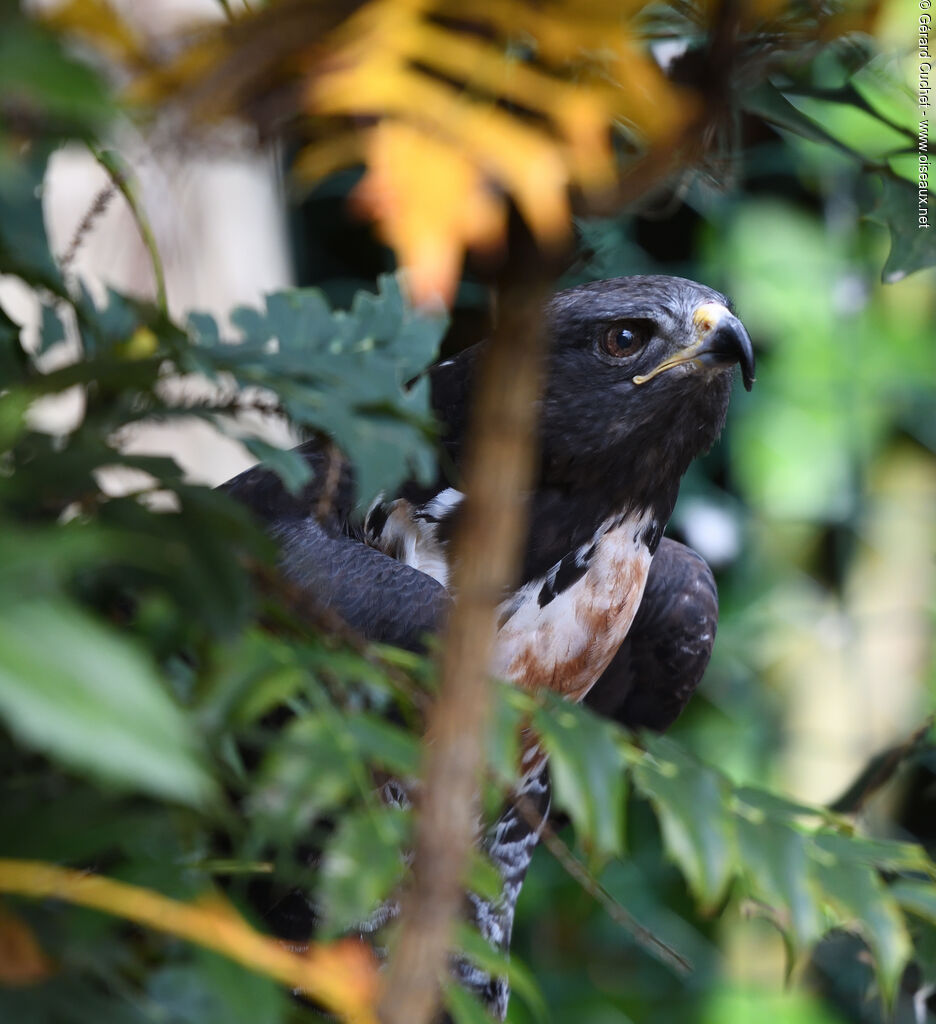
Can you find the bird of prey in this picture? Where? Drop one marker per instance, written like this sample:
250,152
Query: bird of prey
639,373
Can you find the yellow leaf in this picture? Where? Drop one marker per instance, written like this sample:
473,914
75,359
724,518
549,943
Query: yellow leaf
98,23
342,976
199,59
22,962
457,106
430,202
524,161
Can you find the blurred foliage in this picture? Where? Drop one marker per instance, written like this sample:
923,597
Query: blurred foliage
449,106
170,725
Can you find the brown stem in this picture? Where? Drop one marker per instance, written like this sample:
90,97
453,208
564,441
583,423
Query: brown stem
498,473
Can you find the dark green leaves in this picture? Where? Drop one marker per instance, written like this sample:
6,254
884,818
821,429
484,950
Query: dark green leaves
803,867
346,373
912,247
873,119
42,84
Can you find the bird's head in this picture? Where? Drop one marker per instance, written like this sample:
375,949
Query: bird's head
639,378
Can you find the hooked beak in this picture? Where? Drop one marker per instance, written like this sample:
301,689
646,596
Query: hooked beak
721,341
729,343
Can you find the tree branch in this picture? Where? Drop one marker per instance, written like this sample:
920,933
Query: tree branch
498,473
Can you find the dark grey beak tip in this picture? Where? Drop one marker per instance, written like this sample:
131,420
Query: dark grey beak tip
731,342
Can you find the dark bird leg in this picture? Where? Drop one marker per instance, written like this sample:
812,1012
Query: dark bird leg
661,661
509,844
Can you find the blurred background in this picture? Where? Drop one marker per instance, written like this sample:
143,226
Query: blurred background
817,508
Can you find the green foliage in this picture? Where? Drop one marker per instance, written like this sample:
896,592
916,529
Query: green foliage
72,688
166,721
868,114
341,373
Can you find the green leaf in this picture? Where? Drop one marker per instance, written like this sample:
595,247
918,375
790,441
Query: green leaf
912,247
14,363
917,898
858,895
768,102
24,248
879,84
884,854
38,78
309,771
503,736
499,964
764,803
747,1005
363,863
288,465
77,691
344,373
857,129
214,990
690,801
384,744
51,330
774,860
482,876
463,1006
587,771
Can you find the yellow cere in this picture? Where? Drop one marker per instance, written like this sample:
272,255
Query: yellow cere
707,317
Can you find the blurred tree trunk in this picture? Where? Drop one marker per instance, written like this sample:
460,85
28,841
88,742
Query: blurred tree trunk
498,474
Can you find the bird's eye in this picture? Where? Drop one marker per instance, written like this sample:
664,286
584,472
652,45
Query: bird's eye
625,338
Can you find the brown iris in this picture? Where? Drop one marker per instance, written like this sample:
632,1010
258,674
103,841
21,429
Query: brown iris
624,338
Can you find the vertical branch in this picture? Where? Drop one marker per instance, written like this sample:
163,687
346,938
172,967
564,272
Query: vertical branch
487,544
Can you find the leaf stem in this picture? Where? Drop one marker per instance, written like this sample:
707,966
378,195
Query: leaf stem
120,176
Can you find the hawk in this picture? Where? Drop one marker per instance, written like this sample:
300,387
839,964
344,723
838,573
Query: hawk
606,610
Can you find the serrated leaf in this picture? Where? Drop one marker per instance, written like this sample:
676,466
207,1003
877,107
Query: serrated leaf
918,898
884,854
859,896
363,863
690,801
912,248
344,373
774,860
85,696
587,772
